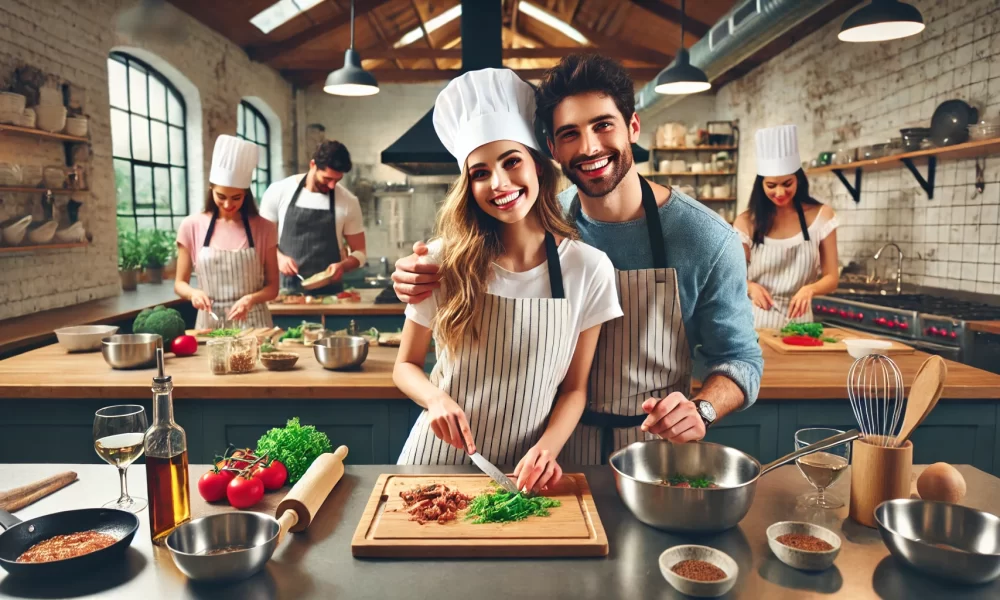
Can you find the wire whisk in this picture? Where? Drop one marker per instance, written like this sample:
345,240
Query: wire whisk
875,389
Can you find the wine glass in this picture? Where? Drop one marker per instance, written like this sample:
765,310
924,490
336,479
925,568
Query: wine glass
118,439
821,469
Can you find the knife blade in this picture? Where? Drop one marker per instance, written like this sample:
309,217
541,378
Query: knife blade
495,474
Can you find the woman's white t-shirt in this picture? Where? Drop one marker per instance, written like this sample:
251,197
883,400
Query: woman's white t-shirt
588,282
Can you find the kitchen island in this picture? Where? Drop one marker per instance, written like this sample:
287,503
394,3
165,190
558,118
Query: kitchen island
365,314
318,563
49,398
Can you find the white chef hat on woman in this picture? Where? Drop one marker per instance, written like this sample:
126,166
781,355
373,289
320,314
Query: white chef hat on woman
484,106
233,162
778,151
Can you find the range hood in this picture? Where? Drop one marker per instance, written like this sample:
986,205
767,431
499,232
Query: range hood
419,151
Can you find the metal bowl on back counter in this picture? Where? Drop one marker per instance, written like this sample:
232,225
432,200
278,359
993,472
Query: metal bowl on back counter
341,351
945,540
131,351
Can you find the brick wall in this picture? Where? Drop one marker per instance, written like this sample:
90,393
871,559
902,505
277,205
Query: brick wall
849,95
70,40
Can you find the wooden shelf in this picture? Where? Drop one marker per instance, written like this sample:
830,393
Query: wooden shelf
958,151
688,174
42,190
694,148
29,131
40,248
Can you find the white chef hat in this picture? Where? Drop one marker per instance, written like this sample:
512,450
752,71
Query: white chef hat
778,151
233,162
484,106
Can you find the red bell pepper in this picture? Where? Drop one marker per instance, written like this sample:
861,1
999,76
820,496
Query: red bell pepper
801,340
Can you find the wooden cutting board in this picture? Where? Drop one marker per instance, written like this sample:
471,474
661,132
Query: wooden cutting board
571,529
203,339
772,338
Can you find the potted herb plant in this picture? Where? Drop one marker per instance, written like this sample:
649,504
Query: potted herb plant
129,258
157,249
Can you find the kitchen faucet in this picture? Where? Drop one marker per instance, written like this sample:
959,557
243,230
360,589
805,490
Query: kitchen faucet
385,265
899,265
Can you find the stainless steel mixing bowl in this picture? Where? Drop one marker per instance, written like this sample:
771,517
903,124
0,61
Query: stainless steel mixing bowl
131,351
249,537
921,534
640,466
341,352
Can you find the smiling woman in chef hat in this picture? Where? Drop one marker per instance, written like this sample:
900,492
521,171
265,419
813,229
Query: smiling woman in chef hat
521,302
233,248
789,237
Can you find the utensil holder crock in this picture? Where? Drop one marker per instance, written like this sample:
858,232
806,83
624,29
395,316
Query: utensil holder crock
878,473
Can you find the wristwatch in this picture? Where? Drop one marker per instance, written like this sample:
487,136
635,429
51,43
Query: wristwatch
706,411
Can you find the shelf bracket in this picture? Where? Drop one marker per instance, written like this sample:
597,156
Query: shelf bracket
927,184
854,190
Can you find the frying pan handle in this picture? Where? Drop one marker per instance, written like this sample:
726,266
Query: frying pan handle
829,442
8,520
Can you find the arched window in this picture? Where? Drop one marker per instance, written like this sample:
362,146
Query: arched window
251,126
148,145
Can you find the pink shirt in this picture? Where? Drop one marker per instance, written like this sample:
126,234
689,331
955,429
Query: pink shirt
228,235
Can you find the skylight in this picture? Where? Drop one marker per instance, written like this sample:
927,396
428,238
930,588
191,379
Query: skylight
431,25
555,23
280,13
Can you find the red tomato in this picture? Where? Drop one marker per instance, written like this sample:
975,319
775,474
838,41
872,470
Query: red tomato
239,464
243,492
273,475
682,484
212,485
185,345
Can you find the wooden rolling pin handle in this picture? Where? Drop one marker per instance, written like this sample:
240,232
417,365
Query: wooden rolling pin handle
287,520
17,498
308,495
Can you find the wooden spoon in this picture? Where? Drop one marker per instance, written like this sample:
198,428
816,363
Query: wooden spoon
924,395
17,498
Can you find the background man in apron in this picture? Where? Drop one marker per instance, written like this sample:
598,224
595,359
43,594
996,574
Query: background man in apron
681,277
314,212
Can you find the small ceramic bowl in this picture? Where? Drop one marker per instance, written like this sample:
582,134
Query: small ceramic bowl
278,361
803,559
691,587
13,233
42,234
860,348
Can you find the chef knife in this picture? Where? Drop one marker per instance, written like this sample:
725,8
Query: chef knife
490,469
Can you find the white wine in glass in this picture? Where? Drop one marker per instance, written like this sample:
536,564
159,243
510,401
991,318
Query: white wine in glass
822,469
118,440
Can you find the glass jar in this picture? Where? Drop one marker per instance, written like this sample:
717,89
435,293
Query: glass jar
233,354
218,355
311,332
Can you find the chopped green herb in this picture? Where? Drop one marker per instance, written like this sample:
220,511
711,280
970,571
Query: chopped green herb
501,506
810,329
231,332
694,482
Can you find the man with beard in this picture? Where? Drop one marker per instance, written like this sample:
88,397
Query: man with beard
681,275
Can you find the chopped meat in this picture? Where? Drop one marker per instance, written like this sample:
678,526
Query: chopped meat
435,502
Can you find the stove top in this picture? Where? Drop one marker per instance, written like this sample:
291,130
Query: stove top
932,305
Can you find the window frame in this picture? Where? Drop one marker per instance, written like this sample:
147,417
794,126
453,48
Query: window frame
244,109
128,61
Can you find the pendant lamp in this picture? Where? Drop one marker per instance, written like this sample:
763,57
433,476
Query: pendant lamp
882,20
351,79
682,77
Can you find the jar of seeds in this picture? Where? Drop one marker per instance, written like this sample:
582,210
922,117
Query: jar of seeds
243,354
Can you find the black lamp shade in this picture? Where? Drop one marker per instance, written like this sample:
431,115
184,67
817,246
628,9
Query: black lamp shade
682,77
881,20
351,79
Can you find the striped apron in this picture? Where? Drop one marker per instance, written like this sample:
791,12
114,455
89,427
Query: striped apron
643,354
782,267
228,275
506,381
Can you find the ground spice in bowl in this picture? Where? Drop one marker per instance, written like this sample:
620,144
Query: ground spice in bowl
801,541
698,570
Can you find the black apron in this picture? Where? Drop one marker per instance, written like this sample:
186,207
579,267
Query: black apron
310,237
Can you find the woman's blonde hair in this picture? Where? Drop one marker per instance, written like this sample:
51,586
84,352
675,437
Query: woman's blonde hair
471,243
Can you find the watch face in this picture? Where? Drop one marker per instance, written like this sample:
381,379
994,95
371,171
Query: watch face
706,410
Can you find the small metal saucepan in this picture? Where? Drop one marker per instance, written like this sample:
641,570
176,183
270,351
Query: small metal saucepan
19,536
640,466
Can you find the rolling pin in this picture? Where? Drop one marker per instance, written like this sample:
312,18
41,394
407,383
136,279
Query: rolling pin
298,508
17,498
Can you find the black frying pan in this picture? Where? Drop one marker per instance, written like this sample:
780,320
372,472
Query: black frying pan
21,535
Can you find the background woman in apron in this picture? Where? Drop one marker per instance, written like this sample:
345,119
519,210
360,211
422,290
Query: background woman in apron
233,248
521,303
790,238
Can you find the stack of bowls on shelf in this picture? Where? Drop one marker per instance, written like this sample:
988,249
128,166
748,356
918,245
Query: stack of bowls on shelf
11,107
986,129
50,112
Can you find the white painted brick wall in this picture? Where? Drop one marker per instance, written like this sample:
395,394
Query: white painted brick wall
70,40
863,94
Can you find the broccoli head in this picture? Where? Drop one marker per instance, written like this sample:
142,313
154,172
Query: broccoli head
166,322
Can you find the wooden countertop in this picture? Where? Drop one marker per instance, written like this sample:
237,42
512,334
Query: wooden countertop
50,372
366,307
38,327
985,326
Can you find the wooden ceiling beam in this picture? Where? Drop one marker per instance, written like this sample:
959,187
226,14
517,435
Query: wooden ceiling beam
606,45
453,53
423,29
269,52
377,28
669,13
309,76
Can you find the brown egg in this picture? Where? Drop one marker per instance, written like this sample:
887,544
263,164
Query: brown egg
941,482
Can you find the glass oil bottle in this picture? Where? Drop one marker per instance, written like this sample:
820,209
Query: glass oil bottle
166,462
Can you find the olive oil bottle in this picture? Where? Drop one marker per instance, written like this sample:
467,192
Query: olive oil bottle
165,446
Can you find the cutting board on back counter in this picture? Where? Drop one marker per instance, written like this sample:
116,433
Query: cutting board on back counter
260,332
386,531
772,338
